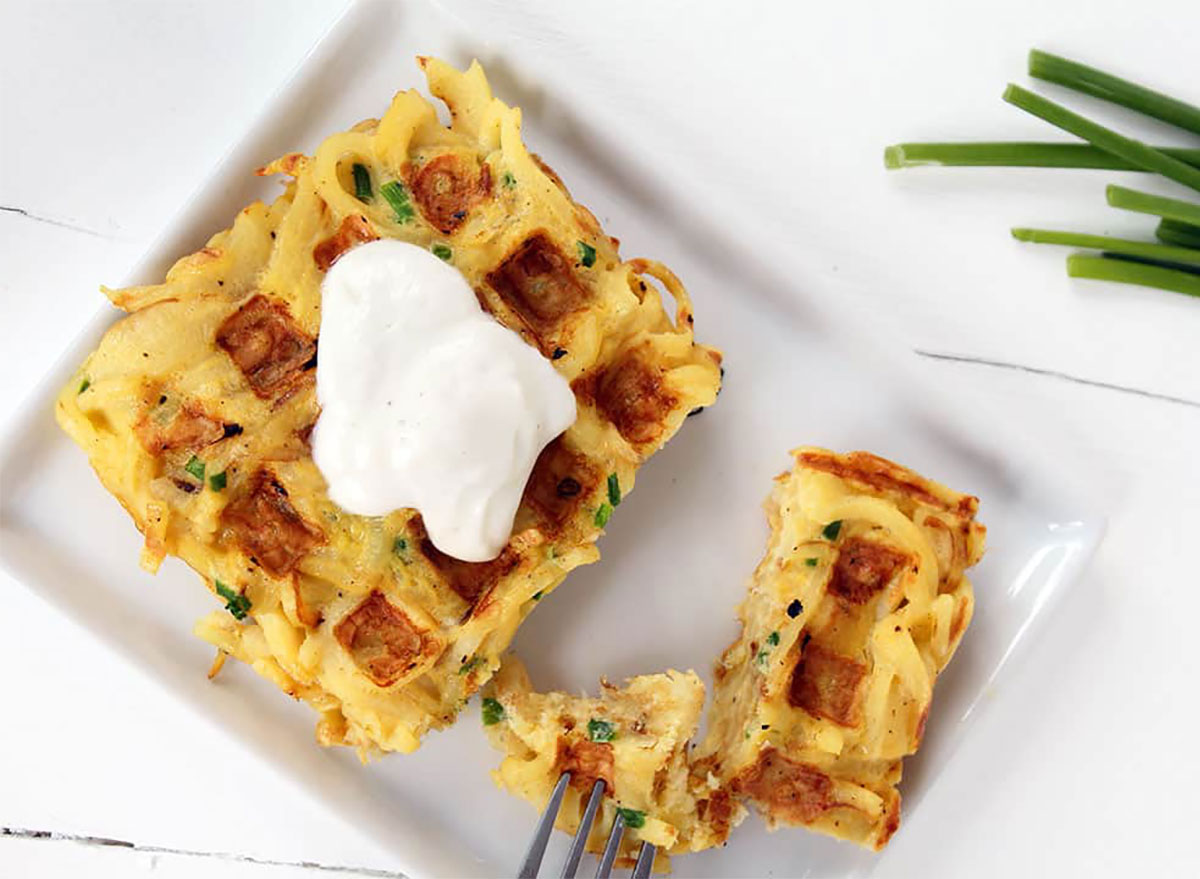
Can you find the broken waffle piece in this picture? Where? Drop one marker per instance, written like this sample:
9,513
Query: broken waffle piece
634,738
859,603
857,606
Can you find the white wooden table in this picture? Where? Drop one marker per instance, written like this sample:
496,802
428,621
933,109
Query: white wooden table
1094,770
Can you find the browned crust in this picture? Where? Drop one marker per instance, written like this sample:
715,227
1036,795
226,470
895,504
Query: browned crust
267,527
446,188
885,476
561,481
826,684
959,624
792,792
633,396
891,821
290,164
272,352
549,172
863,569
588,762
469,580
191,429
537,282
382,640
919,734
717,812
354,230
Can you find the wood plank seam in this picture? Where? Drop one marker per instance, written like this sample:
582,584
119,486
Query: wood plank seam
105,842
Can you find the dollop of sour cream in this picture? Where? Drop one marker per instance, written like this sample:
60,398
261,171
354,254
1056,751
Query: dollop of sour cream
426,401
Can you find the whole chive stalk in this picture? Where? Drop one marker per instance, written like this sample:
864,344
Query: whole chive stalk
1108,244
1148,203
1101,268
1091,81
1019,154
1178,234
1131,150
1190,268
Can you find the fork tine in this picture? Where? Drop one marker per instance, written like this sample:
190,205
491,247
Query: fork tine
645,862
585,828
537,848
604,871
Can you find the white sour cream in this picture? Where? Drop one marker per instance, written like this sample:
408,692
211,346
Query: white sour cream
427,401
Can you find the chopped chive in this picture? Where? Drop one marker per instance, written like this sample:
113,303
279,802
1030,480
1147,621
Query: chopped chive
772,640
362,182
508,180
1143,249
633,818
1179,234
235,602
831,531
587,254
442,252
1019,154
537,596
217,481
1148,203
1105,138
614,490
396,195
492,712
811,562
1101,268
470,665
83,386
195,467
603,514
601,730
1097,83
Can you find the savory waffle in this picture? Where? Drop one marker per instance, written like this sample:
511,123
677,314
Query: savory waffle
196,410
859,603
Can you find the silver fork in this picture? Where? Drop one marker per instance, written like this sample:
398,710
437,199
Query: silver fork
537,847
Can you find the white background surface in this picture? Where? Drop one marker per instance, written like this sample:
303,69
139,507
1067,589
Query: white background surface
112,112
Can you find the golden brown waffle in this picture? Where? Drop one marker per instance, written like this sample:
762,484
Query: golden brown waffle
859,603
196,411
857,606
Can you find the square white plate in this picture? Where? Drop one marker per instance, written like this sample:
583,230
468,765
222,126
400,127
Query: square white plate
800,370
